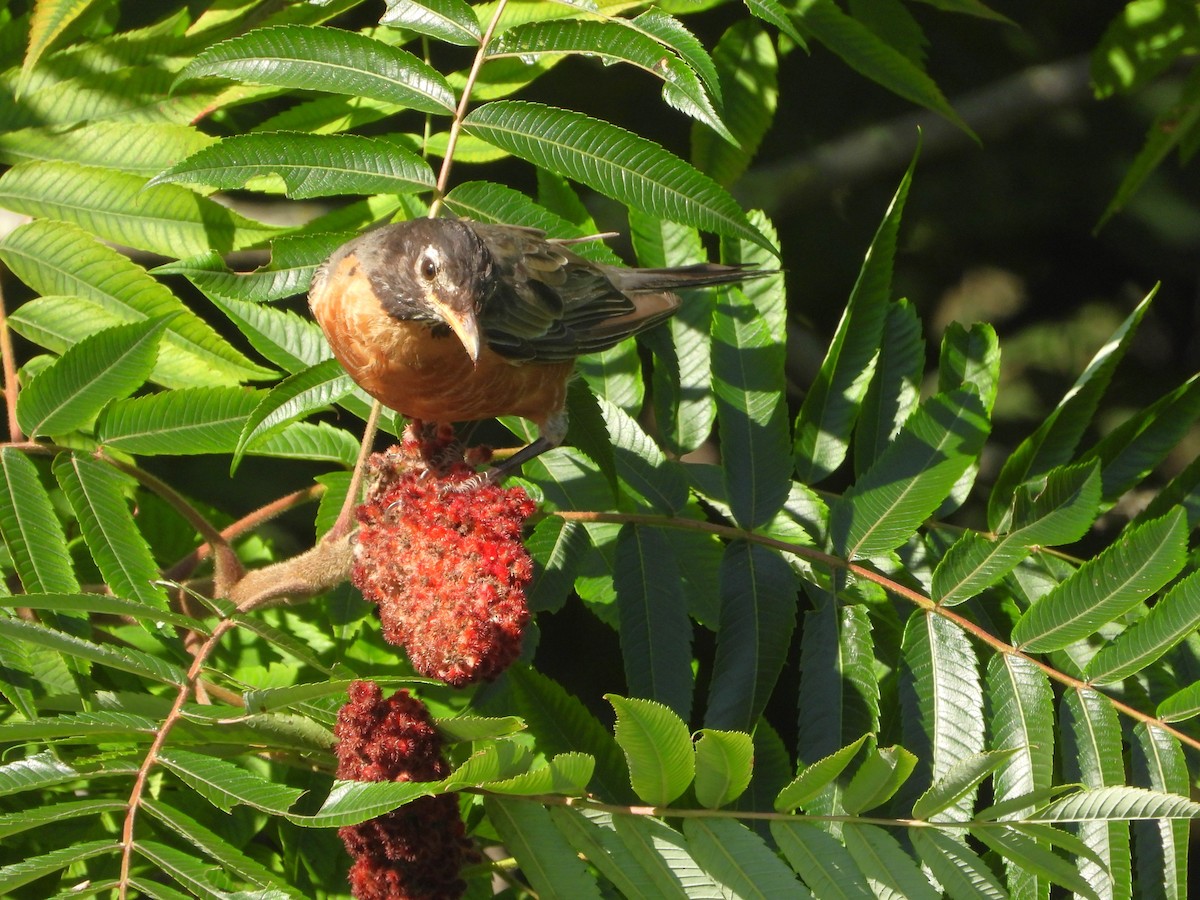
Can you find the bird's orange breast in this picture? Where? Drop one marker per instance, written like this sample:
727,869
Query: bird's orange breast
408,368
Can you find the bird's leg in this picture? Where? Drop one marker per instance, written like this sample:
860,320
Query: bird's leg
551,432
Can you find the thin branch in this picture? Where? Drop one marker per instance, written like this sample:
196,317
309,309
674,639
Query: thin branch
893,587
185,566
11,383
345,519
461,112
160,740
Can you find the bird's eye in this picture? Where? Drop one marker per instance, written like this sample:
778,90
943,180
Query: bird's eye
429,269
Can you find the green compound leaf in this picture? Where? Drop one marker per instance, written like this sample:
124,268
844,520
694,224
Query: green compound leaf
311,165
96,492
452,21
656,634
657,747
226,785
833,402
167,219
106,366
739,860
32,530
178,423
911,477
61,260
139,148
315,388
314,58
1172,619
614,162
616,40
1140,562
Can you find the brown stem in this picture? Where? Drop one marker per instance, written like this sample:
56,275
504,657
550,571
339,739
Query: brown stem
461,112
160,740
9,362
185,566
345,520
893,587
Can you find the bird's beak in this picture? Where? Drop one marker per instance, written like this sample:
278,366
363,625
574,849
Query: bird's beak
465,327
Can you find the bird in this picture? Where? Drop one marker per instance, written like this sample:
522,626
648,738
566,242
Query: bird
452,320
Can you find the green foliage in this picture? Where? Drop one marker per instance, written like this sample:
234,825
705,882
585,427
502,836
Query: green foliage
836,683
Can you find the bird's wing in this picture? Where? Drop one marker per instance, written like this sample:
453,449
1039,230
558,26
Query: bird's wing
549,305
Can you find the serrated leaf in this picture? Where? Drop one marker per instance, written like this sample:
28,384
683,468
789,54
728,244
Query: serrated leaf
140,148
832,404
316,58
1161,845
112,606
641,464
562,724
31,529
1060,513
1172,618
47,22
811,780
611,160
942,700
1054,441
878,778
1136,565
747,364
166,219
41,770
218,848
962,873
55,258
594,836
557,547
567,773
452,21
1092,755
890,871
870,56
351,802
748,68
895,388
21,873
546,859
773,13
821,860
125,659
226,785
107,366
1119,803
909,480
1012,845
673,34
177,423
657,748
1021,722
82,727
740,861
724,763
615,40
311,165
31,817
656,634
664,853
297,395
1134,448
960,781
96,492
758,616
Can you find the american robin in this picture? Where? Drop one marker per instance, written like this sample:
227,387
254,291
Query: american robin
450,320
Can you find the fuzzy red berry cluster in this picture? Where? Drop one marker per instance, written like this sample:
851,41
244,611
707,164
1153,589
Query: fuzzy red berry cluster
415,851
443,559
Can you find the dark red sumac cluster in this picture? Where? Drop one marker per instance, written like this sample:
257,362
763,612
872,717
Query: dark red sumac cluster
415,851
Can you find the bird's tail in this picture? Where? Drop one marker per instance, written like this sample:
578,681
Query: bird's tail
683,277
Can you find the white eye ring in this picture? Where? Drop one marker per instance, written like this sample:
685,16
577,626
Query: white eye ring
428,268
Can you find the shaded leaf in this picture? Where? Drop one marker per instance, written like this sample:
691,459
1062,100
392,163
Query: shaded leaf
820,859
739,860
546,859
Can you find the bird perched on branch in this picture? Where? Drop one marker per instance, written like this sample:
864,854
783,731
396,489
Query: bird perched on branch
450,320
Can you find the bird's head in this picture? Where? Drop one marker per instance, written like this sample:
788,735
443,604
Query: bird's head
430,270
